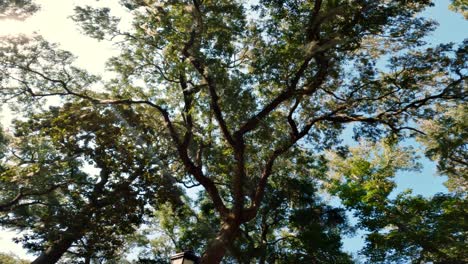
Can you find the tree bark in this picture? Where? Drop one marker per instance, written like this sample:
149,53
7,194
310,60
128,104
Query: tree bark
218,247
53,253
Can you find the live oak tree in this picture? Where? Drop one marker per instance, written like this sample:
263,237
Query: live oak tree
460,6
417,229
241,98
292,225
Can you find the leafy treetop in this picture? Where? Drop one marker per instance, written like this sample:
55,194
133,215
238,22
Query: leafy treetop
241,97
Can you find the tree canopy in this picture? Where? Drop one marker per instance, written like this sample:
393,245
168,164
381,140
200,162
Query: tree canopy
17,9
460,6
220,130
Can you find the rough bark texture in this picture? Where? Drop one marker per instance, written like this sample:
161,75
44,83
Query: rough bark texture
56,250
217,248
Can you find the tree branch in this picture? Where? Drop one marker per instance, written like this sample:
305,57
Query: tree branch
188,98
22,194
181,148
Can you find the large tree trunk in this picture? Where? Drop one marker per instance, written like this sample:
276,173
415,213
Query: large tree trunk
217,248
55,251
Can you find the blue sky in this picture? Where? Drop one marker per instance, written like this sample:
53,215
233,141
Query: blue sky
452,28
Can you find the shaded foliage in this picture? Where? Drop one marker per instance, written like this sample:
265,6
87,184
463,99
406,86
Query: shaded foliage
446,142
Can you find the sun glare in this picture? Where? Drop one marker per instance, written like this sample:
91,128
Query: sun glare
15,27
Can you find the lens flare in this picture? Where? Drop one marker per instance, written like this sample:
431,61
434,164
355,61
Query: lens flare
15,27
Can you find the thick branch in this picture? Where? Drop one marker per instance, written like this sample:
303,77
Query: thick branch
238,181
291,90
181,148
292,123
261,186
6,206
190,52
188,98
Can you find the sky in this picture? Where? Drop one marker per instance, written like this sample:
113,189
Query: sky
53,23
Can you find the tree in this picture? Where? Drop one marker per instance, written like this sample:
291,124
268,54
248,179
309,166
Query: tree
446,143
17,9
410,229
250,95
293,225
11,259
460,6
418,229
82,181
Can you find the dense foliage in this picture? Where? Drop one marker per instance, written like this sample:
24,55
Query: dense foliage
11,259
221,127
52,188
17,9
